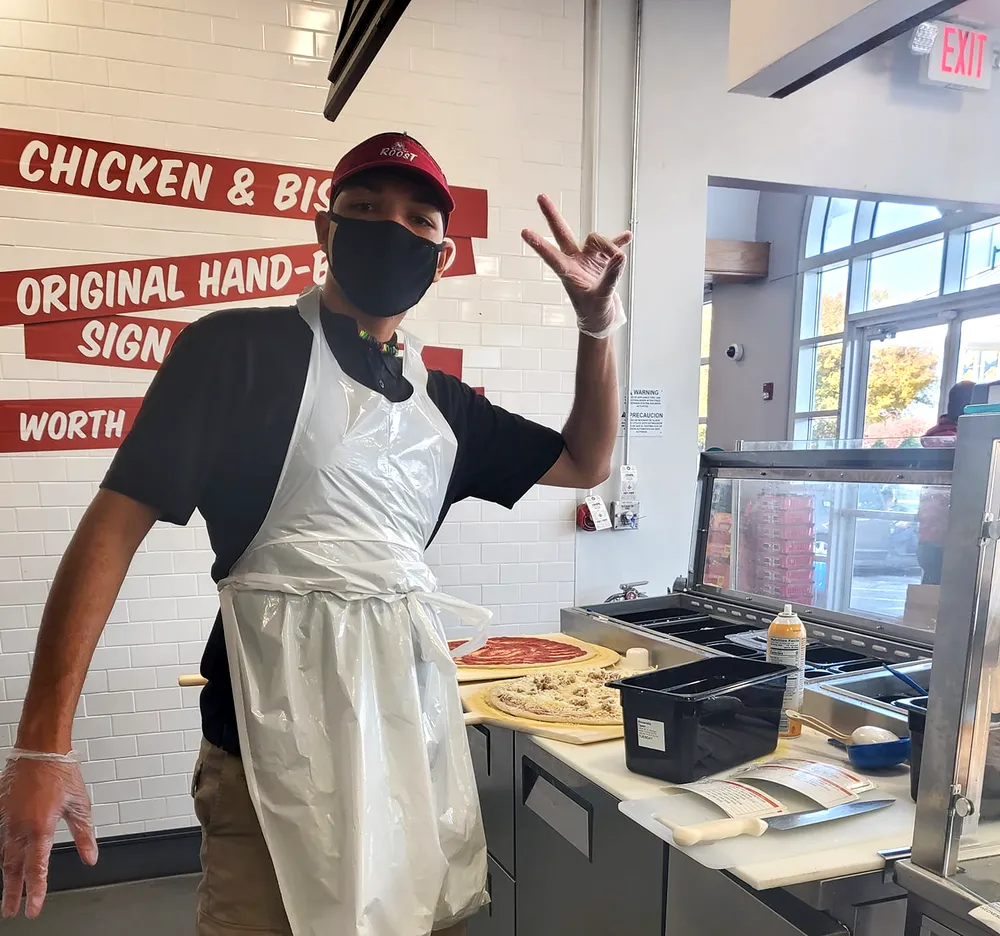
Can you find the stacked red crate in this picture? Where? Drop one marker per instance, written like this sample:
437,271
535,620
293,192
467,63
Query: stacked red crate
719,550
783,537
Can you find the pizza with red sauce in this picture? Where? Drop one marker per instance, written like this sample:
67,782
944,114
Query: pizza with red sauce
523,652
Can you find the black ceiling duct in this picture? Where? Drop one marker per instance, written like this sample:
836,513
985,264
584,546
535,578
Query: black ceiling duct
363,30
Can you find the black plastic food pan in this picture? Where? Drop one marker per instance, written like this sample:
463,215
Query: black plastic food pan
660,616
689,721
832,656
709,633
726,646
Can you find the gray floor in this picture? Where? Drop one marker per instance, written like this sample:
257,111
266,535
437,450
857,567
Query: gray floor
152,908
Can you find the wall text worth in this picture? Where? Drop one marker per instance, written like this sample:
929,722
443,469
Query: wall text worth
65,425
101,423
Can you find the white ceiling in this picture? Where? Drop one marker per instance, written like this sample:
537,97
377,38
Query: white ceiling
980,12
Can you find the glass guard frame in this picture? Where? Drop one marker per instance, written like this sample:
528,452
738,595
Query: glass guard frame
958,757
847,466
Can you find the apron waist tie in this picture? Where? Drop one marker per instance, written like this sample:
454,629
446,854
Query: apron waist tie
469,614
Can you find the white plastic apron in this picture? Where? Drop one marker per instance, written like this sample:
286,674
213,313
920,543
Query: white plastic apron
349,716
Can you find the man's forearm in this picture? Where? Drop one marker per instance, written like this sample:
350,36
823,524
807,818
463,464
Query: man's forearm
81,598
592,427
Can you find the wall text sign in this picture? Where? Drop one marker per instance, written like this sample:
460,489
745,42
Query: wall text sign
75,166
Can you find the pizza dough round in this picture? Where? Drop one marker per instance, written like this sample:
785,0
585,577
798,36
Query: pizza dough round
516,653
576,697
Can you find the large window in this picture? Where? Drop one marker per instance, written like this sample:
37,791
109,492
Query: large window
898,301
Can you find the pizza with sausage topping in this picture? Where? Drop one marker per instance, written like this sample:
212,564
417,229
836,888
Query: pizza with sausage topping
579,697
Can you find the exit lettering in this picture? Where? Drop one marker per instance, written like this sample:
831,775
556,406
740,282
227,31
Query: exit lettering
963,51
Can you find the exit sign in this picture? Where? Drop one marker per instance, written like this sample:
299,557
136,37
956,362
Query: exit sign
961,57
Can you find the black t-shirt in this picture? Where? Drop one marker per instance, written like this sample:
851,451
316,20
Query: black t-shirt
215,425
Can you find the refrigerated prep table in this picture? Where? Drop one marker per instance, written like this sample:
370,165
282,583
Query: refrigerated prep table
849,537
837,534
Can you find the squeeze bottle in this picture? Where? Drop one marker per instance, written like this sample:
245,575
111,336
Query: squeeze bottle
786,644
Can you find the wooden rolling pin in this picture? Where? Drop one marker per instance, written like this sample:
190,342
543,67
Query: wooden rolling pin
195,680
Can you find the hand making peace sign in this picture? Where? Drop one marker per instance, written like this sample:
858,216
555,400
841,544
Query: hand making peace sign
589,272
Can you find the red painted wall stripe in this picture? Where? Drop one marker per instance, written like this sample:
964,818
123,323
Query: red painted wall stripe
102,422
97,289
119,341
52,163
448,360
143,343
65,425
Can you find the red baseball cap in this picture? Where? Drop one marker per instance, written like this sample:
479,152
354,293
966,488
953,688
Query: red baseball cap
393,151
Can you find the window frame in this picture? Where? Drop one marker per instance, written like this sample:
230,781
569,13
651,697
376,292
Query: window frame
705,362
953,305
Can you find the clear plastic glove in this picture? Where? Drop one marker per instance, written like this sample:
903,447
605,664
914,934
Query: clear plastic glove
589,271
36,791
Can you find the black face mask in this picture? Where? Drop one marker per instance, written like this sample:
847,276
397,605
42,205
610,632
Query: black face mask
382,267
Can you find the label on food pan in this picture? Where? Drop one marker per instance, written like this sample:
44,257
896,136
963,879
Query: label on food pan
651,735
823,791
839,775
988,915
735,799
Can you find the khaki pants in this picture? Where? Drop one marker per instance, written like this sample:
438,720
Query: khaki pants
238,893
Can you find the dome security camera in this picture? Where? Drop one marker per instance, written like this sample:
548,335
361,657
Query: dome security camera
735,352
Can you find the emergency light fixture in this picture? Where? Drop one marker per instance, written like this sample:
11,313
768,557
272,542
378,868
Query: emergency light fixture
922,38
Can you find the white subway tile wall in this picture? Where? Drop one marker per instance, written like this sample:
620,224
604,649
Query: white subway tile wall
492,87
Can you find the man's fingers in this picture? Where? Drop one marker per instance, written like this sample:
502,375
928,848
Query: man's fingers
600,244
36,874
13,878
557,223
82,827
612,273
552,257
622,239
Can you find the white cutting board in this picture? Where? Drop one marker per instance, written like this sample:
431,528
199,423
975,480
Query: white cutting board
876,831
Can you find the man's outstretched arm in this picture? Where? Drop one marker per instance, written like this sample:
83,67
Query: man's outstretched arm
83,592
590,273
40,785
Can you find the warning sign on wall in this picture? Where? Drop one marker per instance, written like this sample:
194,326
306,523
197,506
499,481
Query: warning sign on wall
647,412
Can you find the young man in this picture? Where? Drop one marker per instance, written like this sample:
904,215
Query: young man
334,785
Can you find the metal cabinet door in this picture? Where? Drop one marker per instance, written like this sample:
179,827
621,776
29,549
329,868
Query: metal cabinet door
582,867
703,902
492,752
498,918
